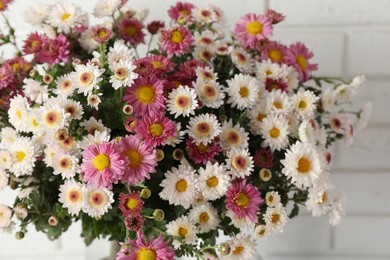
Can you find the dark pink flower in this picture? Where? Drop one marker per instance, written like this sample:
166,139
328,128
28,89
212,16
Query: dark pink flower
154,26
4,4
156,64
101,34
263,158
55,51
274,51
33,43
298,57
18,65
130,203
275,84
176,41
6,77
130,30
180,10
274,16
202,153
188,68
134,221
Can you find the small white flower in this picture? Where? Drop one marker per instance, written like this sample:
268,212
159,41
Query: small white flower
364,116
213,181
209,92
182,227
35,91
3,179
268,69
275,132
233,136
275,218
18,113
261,231
239,162
278,102
272,199
94,100
8,136
65,86
36,13
205,216
86,78
304,103
182,101
242,247
105,8
24,152
203,128
65,164
123,74
5,216
72,196
96,138
119,52
92,125
97,201
205,15
337,210
241,59
5,160
65,16
242,91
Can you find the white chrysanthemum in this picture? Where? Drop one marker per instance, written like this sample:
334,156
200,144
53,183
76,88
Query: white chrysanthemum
18,112
119,52
242,59
205,216
213,181
204,53
268,69
290,76
337,123
182,101
328,101
86,78
239,162
33,122
92,125
3,179
301,165
72,108
304,103
318,199
206,74
72,196
209,92
272,199
36,13
233,136
242,248
344,93
275,132
49,153
8,136
308,132
64,16
180,186
5,216
205,38
87,40
278,102
24,152
364,116
337,210
20,211
52,116
203,128
5,160
275,218
205,15
35,91
242,91
123,74
261,231
65,86
97,201
184,228
256,116
65,164
178,138
105,8
93,100
241,223
97,138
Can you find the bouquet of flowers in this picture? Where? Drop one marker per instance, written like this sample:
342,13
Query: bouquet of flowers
203,135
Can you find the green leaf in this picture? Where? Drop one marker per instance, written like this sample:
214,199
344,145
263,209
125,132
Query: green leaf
294,211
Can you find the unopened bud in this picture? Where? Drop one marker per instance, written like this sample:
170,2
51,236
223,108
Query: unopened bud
20,211
32,73
145,193
158,214
19,235
48,78
53,221
226,249
128,109
265,174
159,155
178,154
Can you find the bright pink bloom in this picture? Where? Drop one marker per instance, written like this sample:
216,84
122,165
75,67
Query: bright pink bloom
4,4
263,158
181,10
187,68
274,51
202,153
176,41
243,199
103,165
156,129
141,157
298,57
130,30
134,221
145,95
33,43
154,248
252,28
130,203
273,84
143,68
54,51
154,26
274,16
18,65
130,123
101,34
6,77
161,64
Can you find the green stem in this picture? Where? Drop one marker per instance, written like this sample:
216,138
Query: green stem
149,44
12,39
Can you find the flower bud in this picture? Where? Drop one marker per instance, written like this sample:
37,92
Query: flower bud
53,221
48,78
178,154
145,193
225,249
32,73
20,211
128,109
159,155
158,214
19,235
265,174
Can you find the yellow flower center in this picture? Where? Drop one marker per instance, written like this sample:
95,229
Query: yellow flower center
146,254
275,218
65,16
146,94
120,73
20,156
275,55
34,44
203,217
244,91
131,203
156,64
238,250
102,34
183,232
274,132
181,185
202,148
34,122
16,66
101,162
156,130
304,165
302,62
176,37
242,200
254,28
278,105
302,104
130,30
324,197
19,114
260,117
134,157
212,182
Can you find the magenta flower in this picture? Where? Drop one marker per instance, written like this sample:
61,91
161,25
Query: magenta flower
202,153
130,203
176,41
54,51
298,57
187,68
103,165
101,34
252,28
4,4
275,84
130,30
274,16
154,26
263,158
181,10
33,43
6,77
274,51
134,221
243,199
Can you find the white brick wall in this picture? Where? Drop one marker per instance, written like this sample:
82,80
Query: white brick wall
348,37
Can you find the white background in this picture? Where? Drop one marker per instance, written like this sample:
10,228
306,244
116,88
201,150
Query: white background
348,37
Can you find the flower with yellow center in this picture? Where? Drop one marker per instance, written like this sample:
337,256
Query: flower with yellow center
146,254
182,227
176,37
146,94
275,218
101,162
254,27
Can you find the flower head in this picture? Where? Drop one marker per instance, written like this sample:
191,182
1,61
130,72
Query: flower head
130,30
175,41
299,57
252,28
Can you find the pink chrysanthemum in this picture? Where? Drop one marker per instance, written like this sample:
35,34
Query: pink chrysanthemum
130,30
153,248
275,84
181,10
156,129
263,158
154,26
160,64
130,203
274,16
145,95
101,34
54,51
202,153
252,28
6,77
298,57
176,41
142,159
274,51
18,65
33,43
130,123
243,199
188,68
103,165
4,4
134,221
143,68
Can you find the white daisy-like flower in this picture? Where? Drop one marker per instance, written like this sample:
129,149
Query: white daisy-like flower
364,116
123,74
304,103
275,132
86,78
308,132
119,52
205,38
65,16
205,216
65,86
36,13
71,107
268,69
209,92
5,160
233,136
213,181
206,74
337,210
205,15
241,59
318,202
180,186
241,223
72,196
184,228
52,116
50,152
87,40
256,116
242,248
275,218
18,113
301,165
105,8
337,123
97,138
328,101
203,128
92,125
239,162
182,101
242,91
278,102
5,216
34,123
344,93
8,136
20,211
35,91
65,164
3,179
93,100
290,76
178,138
204,53
97,201
272,199
261,231
24,152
